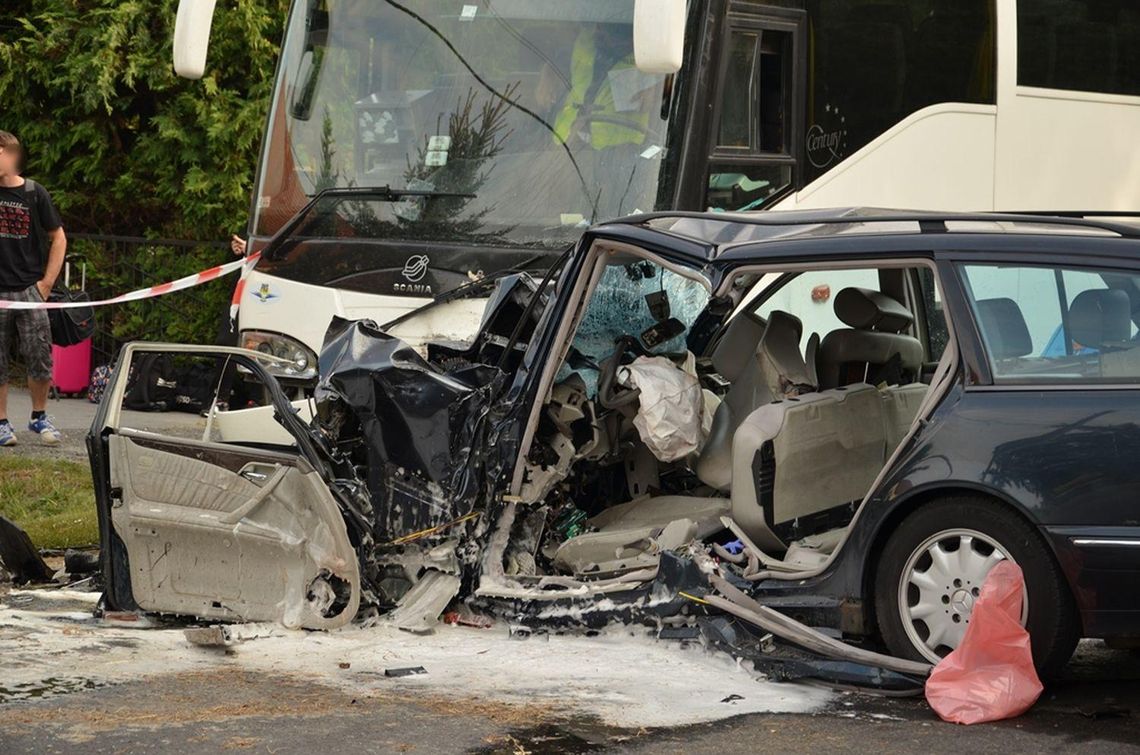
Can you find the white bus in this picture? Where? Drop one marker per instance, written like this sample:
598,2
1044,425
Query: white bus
491,132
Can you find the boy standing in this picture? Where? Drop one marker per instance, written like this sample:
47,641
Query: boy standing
28,221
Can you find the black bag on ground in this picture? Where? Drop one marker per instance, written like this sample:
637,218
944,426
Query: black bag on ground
73,325
194,389
152,386
157,384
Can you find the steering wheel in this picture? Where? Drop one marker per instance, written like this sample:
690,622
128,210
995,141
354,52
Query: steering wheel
611,394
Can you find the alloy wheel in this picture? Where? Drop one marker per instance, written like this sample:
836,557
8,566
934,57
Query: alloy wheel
939,585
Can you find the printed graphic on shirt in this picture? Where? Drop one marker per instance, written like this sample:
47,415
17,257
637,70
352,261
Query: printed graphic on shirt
15,220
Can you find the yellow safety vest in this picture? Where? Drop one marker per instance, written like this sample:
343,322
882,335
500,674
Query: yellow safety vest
602,133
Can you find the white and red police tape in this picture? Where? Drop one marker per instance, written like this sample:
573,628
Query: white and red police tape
190,281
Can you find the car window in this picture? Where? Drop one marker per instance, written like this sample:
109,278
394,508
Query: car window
1056,324
810,296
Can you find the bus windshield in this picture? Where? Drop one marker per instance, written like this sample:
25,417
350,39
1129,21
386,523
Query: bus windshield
521,121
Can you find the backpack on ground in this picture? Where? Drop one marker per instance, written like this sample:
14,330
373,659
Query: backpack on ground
152,384
100,377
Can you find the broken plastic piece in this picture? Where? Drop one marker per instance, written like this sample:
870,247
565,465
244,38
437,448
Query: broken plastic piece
990,675
213,636
405,671
679,633
421,606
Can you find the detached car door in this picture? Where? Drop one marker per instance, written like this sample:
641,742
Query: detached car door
215,530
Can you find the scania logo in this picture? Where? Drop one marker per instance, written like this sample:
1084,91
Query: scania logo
416,267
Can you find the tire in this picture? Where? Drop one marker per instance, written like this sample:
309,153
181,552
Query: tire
979,523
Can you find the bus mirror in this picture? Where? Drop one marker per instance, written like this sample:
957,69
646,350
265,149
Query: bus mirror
659,35
192,37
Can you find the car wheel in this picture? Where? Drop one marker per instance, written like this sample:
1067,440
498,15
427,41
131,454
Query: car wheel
932,569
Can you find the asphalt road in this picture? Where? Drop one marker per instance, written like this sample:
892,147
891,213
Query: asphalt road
1096,709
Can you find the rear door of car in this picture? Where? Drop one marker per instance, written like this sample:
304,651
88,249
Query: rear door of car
194,526
1050,412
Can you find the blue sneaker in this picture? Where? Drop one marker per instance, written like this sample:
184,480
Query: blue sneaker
7,434
43,427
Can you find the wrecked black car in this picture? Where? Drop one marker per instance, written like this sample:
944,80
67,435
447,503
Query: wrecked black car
839,420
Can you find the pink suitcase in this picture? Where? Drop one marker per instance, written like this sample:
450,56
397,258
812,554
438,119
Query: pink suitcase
71,367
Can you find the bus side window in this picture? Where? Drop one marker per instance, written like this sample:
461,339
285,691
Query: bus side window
753,159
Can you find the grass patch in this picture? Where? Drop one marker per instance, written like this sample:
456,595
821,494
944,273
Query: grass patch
52,499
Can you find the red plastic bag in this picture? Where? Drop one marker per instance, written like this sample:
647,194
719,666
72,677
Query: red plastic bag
990,676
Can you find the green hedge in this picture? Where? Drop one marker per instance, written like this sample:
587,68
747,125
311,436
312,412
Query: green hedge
124,145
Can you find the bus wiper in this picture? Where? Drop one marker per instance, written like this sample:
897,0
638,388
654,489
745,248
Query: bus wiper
395,195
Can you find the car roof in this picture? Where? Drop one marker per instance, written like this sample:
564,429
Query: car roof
740,235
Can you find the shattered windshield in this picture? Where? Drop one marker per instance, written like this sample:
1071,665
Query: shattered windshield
630,301
532,111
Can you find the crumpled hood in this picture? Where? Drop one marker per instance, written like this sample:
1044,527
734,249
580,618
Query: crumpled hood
411,425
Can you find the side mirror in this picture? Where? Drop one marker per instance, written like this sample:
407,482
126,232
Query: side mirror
658,35
192,37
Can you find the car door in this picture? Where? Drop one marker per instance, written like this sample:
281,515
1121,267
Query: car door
216,530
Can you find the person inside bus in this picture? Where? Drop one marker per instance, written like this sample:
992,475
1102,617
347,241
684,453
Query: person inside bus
602,108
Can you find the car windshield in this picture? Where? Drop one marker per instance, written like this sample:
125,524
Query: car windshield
533,111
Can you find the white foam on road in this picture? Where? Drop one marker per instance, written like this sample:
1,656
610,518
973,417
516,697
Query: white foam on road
625,677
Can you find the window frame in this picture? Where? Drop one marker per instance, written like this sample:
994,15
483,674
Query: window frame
749,17
984,377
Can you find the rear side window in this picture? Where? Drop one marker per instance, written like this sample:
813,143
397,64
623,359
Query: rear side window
1057,325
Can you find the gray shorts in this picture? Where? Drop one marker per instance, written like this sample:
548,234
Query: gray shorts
31,328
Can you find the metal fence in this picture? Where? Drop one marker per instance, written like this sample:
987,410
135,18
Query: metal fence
117,264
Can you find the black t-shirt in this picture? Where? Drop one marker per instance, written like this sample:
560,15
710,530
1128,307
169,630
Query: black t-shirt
21,253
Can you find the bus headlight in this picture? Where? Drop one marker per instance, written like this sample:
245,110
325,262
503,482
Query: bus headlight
302,361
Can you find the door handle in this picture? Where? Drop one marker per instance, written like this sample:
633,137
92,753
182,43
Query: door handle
258,473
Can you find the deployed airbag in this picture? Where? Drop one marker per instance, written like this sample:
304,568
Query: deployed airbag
671,404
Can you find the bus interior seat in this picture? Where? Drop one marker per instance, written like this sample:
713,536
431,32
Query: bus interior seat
873,340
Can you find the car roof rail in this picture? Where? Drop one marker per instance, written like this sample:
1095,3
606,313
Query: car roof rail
928,222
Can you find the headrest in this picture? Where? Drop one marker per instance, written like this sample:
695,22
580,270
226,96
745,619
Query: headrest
781,361
1003,328
1101,316
864,309
733,353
